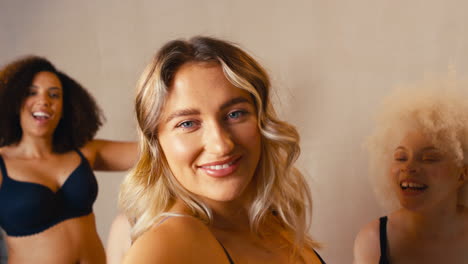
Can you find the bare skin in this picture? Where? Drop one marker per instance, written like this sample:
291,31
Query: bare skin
211,141
80,234
431,227
32,160
119,240
415,240
200,243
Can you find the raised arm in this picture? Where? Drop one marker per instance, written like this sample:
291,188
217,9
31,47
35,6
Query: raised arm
106,155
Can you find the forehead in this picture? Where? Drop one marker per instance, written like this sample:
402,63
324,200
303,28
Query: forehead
201,85
46,79
416,139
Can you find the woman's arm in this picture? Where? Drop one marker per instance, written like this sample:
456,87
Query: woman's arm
119,240
106,155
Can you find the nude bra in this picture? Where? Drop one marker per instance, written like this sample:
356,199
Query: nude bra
30,208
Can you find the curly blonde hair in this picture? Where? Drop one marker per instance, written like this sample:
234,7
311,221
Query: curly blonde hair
150,189
439,109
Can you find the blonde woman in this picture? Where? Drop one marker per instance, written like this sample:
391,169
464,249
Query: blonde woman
419,155
216,181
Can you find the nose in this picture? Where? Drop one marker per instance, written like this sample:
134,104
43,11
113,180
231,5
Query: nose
43,100
218,140
409,167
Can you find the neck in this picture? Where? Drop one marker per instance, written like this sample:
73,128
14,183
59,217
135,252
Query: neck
230,216
35,147
435,222
226,215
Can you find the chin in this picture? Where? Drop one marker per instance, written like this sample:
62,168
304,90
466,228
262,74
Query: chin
415,206
223,196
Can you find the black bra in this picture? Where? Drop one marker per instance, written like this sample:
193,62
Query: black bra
29,208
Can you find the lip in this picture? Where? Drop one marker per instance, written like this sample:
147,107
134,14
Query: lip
230,165
42,120
408,191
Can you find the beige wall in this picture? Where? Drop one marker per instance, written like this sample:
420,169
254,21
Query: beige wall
331,62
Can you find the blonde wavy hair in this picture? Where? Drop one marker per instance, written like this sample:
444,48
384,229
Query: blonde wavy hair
150,189
439,109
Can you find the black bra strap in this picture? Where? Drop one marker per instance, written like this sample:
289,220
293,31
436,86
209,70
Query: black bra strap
81,154
383,240
3,168
227,253
320,258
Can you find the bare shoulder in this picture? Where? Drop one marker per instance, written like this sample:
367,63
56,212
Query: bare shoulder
367,244
177,240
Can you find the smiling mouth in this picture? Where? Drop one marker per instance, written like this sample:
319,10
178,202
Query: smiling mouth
412,186
41,115
219,166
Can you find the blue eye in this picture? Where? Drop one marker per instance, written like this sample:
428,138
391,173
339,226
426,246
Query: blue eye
236,114
186,124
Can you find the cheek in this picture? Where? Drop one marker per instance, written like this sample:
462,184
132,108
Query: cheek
23,112
446,173
25,105
180,151
248,133
60,107
394,169
393,172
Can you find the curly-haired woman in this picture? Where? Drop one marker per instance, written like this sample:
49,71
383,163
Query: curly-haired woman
418,161
47,158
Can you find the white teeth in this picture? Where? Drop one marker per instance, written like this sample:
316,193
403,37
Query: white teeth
405,185
41,114
218,167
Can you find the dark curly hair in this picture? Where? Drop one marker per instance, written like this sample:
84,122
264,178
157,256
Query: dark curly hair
81,115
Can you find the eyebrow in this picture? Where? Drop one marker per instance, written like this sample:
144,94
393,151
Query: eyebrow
183,112
234,101
50,88
423,149
193,111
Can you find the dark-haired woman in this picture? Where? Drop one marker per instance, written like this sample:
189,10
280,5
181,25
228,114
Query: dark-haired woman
47,158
